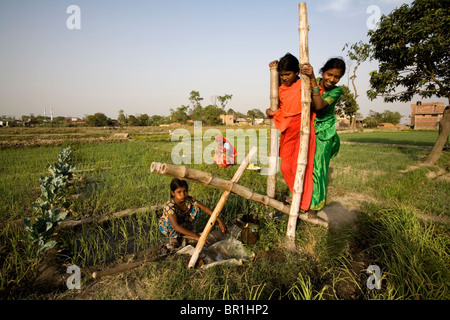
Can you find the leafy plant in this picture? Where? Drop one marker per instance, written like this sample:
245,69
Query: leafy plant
47,206
41,231
65,155
51,189
62,169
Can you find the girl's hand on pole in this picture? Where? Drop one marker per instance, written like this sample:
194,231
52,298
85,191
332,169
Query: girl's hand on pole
206,240
269,113
307,70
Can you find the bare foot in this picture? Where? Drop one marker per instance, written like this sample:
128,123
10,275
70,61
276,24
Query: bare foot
312,214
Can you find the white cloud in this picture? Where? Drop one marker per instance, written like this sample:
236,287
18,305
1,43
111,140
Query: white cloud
394,2
353,8
335,5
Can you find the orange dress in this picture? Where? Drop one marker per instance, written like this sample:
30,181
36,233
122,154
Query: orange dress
288,120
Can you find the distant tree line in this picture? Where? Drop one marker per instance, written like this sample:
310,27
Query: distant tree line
375,118
209,115
32,120
193,111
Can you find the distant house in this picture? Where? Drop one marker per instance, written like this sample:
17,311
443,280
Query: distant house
73,120
426,115
228,119
3,123
342,123
359,118
387,125
243,121
258,121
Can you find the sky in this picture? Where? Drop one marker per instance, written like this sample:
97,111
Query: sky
147,56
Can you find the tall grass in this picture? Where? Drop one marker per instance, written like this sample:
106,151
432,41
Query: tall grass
404,189
109,241
414,256
20,170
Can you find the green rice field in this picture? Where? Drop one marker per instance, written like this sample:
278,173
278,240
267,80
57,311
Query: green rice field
401,225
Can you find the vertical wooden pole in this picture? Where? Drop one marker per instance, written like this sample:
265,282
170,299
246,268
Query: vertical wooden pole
223,199
273,155
304,130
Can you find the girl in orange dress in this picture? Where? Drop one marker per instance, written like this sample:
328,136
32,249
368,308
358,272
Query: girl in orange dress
288,120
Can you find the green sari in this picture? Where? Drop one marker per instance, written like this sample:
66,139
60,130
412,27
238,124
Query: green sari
327,146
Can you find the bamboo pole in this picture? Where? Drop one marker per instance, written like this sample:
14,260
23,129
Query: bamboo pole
273,155
126,266
207,179
223,199
68,223
304,130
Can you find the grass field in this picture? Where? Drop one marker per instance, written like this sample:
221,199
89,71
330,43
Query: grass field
410,137
402,222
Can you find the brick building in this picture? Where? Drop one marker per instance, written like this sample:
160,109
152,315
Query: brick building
228,119
426,115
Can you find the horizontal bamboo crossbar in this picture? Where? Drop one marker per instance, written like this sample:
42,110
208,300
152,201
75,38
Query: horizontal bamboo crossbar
207,179
223,199
102,218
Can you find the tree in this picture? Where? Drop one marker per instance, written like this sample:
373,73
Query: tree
391,117
122,118
211,115
180,114
231,111
196,111
97,120
156,120
255,113
143,120
58,119
412,47
442,139
386,116
347,104
358,52
224,100
133,121
370,122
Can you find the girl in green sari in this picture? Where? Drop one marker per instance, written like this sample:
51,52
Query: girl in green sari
325,95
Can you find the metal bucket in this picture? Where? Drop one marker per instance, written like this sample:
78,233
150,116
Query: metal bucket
250,230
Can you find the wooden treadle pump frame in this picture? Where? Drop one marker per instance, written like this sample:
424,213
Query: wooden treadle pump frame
229,187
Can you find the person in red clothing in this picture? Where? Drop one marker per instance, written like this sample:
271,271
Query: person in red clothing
288,120
225,154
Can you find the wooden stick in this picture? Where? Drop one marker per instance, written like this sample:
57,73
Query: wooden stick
125,267
121,268
304,130
207,179
101,218
273,155
218,209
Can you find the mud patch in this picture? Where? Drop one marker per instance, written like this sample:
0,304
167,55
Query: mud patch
343,208
337,215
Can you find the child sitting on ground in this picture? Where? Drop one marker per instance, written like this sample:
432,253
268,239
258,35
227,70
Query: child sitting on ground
180,213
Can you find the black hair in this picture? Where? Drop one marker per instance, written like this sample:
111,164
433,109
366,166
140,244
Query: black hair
334,63
288,63
177,183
